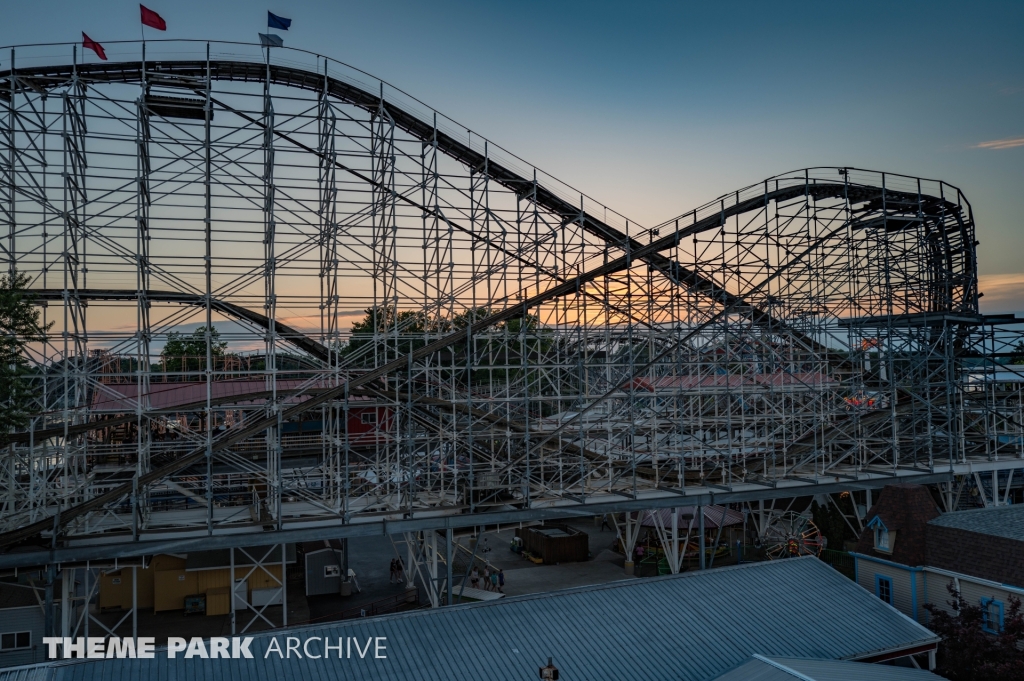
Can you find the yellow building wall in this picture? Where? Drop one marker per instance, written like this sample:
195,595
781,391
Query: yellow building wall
115,589
212,579
259,579
170,588
218,601
147,577
164,584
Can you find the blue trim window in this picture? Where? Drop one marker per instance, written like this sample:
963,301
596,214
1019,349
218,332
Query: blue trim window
883,588
882,542
991,615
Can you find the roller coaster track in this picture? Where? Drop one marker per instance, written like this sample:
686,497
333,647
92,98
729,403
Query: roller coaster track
297,338
185,74
396,365
871,207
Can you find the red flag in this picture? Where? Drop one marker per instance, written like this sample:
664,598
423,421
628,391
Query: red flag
152,19
90,44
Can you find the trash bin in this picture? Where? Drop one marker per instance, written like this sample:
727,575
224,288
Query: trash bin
410,594
629,567
346,588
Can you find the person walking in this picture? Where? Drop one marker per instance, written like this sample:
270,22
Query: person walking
487,578
474,578
399,570
501,581
494,581
394,572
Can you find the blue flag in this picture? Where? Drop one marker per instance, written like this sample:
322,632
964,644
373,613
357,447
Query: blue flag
274,21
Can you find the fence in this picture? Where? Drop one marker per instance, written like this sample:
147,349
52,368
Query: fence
403,601
840,560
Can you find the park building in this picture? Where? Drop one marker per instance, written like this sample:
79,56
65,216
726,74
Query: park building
910,553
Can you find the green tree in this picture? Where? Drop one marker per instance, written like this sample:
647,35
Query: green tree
970,653
511,353
394,333
386,329
20,325
829,521
184,352
1018,354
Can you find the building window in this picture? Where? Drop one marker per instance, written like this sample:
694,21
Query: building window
15,640
369,417
332,571
991,615
883,536
883,588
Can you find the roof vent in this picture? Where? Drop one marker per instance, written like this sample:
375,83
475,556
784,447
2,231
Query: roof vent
550,672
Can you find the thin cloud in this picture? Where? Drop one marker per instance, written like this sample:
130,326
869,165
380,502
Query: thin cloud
1009,143
1003,292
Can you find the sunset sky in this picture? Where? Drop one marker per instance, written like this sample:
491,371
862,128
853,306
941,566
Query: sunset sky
656,107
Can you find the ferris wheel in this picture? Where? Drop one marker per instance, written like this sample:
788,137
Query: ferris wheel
790,535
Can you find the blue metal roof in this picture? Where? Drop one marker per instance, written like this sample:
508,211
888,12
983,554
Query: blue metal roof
688,627
801,669
999,521
31,672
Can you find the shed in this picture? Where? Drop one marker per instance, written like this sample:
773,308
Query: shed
206,571
324,564
117,588
556,543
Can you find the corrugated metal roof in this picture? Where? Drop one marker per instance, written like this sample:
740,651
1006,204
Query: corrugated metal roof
792,668
689,627
309,547
32,672
999,521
